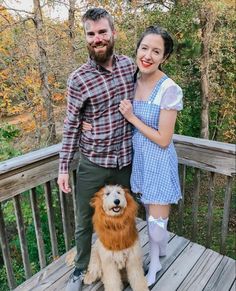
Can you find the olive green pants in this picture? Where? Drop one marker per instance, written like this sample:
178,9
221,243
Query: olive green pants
90,178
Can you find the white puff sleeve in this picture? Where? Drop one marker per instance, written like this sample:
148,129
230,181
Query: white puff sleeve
172,98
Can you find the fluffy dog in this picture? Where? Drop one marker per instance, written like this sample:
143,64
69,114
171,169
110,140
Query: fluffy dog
117,248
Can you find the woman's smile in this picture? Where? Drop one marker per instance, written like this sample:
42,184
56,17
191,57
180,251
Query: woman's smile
145,63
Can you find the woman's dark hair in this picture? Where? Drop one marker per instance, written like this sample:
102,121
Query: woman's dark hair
168,42
96,14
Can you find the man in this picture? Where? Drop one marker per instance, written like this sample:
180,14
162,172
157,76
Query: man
94,93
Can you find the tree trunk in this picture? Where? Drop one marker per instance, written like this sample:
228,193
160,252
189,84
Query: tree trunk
38,21
71,25
207,19
71,33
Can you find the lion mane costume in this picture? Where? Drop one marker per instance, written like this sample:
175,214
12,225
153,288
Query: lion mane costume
116,250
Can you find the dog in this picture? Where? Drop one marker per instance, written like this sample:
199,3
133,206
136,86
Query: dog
116,250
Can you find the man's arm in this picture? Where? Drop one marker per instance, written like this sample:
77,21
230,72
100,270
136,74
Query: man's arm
71,132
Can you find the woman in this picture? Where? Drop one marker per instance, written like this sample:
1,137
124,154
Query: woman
153,115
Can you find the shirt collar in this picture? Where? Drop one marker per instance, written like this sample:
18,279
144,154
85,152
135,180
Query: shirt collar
100,68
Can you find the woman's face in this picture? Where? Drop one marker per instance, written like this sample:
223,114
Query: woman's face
150,53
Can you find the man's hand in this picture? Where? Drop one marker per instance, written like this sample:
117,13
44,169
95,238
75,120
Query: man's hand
63,182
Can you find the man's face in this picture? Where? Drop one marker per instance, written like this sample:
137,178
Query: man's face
100,39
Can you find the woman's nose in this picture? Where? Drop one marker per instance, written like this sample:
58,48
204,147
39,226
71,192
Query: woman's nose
148,55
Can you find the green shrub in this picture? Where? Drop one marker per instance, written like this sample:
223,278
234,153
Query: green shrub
8,133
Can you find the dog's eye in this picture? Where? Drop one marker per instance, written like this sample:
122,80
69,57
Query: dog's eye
118,192
107,193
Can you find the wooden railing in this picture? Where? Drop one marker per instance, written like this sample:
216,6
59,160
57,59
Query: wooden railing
26,172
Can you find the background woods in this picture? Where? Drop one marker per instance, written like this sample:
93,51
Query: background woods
37,54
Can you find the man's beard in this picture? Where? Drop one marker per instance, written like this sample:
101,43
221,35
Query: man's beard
102,57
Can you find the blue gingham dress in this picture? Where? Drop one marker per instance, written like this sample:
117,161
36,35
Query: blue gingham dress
155,169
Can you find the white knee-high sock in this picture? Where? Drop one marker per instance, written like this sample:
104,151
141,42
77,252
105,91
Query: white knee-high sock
164,242
155,264
157,234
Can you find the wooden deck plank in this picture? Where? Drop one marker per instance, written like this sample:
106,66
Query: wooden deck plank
60,283
57,268
201,272
223,277
177,271
174,248
187,266
42,276
233,287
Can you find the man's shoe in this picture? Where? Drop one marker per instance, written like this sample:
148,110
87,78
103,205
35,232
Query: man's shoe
75,282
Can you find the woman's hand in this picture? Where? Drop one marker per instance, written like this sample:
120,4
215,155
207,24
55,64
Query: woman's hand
126,109
86,126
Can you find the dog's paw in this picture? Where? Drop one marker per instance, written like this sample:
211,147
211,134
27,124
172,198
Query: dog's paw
70,258
91,277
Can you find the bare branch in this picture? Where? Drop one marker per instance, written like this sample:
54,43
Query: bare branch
16,10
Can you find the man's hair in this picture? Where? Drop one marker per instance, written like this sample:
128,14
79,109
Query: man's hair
96,14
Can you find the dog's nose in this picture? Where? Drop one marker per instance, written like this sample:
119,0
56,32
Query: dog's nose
117,201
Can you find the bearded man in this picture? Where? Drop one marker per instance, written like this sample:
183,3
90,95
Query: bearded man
94,92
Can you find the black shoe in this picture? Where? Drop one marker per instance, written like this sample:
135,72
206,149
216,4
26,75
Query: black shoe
75,282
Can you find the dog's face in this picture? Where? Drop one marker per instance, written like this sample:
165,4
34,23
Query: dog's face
113,200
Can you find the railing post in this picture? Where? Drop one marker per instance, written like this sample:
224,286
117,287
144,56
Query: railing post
211,196
182,171
51,219
38,229
6,252
196,191
22,237
225,221
65,219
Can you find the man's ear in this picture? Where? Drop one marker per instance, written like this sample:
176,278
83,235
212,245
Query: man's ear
114,32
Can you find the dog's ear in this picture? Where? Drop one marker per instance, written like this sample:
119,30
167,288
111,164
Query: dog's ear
97,198
127,191
131,203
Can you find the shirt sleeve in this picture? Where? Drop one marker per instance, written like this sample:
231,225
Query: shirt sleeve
172,98
71,130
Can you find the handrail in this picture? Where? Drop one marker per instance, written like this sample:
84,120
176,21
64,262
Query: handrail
196,144
40,167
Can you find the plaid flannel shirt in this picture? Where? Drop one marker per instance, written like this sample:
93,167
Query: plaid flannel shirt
94,94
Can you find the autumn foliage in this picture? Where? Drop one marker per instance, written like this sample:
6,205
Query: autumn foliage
64,48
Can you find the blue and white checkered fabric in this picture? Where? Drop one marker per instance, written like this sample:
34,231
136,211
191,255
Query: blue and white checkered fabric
155,170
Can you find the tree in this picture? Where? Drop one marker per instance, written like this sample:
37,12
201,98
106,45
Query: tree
43,62
207,20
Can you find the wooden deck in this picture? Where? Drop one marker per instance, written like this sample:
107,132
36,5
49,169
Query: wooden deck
187,266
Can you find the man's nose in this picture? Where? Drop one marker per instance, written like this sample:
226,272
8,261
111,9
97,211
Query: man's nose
97,38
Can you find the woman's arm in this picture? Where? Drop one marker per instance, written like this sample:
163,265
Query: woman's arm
163,135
